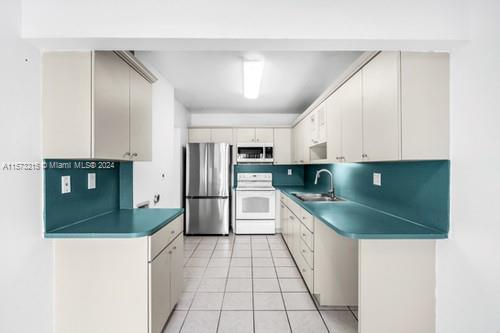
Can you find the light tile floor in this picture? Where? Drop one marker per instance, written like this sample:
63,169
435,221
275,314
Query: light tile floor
248,284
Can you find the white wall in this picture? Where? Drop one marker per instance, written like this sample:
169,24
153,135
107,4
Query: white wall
26,272
242,119
468,264
284,19
163,175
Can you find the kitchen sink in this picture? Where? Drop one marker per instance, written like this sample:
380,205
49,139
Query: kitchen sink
316,197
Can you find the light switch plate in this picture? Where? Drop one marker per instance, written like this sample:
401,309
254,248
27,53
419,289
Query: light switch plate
65,184
91,181
289,172
377,179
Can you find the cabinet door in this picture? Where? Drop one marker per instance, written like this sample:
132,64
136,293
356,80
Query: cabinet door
111,106
199,135
381,111
321,123
334,134
222,135
424,105
245,135
264,135
302,141
295,144
351,104
176,270
159,291
335,267
282,145
284,221
313,125
141,94
66,100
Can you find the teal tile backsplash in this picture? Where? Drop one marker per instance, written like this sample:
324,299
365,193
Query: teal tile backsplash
113,190
280,173
418,191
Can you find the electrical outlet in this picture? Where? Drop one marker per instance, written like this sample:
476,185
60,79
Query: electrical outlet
65,184
377,179
91,181
289,172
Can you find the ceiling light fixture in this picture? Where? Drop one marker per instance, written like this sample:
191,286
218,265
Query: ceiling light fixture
252,77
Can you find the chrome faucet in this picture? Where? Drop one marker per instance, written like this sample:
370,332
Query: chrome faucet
331,192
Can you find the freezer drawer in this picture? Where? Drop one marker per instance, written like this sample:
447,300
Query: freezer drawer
207,216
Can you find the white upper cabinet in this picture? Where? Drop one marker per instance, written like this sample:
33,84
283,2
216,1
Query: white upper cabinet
94,105
199,135
250,135
425,105
66,83
351,104
334,124
141,97
111,106
302,138
381,108
318,124
222,135
245,135
282,146
264,135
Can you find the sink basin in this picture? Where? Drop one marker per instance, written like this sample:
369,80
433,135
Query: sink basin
316,197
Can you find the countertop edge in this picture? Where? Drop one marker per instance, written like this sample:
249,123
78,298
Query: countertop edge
361,236
71,235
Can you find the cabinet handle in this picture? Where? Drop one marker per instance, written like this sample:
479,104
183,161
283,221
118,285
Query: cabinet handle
364,155
304,235
303,270
172,232
169,252
303,251
134,155
175,247
126,154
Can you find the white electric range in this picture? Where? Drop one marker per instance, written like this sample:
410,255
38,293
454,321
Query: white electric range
255,204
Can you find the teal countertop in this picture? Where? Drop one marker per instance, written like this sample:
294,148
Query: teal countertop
358,221
122,223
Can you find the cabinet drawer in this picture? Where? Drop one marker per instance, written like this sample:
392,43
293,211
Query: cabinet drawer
302,214
160,239
308,220
307,253
306,271
307,236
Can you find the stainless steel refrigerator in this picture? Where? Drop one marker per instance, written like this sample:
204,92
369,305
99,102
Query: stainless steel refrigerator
208,188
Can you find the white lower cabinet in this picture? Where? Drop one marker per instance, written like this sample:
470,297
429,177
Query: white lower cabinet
335,267
126,285
327,261
159,291
166,284
295,227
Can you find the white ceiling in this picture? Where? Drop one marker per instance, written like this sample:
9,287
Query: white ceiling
211,81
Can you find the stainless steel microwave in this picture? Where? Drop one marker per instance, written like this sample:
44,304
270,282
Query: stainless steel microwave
254,153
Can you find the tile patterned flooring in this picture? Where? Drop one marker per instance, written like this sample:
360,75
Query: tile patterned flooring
248,284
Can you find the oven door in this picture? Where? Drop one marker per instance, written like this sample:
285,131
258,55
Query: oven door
255,205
